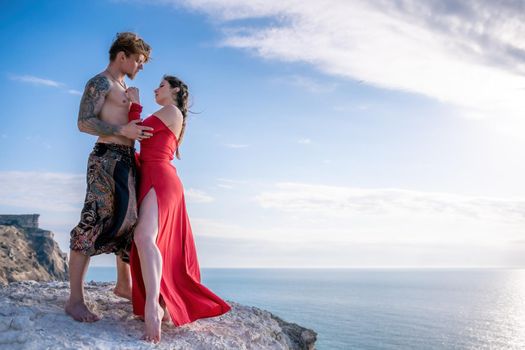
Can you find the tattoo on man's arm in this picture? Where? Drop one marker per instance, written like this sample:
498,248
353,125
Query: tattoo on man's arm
90,106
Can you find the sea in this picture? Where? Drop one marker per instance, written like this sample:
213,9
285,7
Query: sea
382,308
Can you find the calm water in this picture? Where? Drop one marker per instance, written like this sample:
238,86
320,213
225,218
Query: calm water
383,309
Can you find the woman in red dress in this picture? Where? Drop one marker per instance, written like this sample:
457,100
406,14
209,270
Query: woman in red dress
164,267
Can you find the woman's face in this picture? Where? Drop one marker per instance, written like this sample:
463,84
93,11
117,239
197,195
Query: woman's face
164,93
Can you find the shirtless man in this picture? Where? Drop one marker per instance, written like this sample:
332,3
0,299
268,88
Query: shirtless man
110,208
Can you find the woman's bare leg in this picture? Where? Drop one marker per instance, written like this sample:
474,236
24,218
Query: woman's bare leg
150,263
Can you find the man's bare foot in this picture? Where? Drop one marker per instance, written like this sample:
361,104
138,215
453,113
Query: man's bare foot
153,320
80,312
166,318
122,292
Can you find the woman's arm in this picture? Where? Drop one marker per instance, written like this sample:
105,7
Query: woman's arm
134,114
134,111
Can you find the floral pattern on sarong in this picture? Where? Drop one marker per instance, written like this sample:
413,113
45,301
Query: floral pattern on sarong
109,215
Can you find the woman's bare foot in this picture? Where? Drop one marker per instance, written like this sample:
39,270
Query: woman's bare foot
165,318
122,292
80,312
153,320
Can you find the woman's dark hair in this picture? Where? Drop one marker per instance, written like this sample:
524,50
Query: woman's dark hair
181,97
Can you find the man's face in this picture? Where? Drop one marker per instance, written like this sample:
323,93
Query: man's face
133,64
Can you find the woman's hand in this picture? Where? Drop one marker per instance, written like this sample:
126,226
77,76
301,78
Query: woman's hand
133,95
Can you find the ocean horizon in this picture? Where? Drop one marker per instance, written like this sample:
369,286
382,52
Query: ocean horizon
382,308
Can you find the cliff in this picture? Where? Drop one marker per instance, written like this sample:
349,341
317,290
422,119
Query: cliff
32,317
29,253
29,221
32,313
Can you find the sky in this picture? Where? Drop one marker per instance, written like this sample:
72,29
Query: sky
324,134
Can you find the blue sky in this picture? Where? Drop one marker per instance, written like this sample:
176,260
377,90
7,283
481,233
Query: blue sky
359,133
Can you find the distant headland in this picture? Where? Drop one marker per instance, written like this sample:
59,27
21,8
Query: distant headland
28,252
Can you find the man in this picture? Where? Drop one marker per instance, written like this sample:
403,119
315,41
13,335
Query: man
110,208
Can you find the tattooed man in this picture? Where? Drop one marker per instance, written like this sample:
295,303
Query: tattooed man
109,214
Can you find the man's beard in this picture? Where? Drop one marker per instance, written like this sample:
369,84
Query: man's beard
131,76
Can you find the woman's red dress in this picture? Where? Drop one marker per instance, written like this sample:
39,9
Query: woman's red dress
186,298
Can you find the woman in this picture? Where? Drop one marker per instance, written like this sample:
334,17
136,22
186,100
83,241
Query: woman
164,267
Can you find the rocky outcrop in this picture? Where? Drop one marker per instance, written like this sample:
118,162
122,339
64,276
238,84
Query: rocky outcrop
32,313
32,317
29,253
29,221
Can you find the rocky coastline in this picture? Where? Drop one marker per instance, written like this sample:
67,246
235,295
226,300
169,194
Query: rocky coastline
34,290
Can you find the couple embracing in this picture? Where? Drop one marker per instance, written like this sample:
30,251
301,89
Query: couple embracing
134,205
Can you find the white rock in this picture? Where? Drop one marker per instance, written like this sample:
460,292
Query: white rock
35,314
21,323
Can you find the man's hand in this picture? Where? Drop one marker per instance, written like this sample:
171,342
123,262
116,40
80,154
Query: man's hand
133,94
135,132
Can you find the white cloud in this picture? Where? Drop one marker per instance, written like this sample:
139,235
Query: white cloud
214,252
297,224
47,191
197,196
30,79
230,183
330,201
37,81
74,92
467,54
236,145
304,141
306,212
225,186
217,228
228,187
56,191
306,83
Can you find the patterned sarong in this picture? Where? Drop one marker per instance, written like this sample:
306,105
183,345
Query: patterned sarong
109,215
